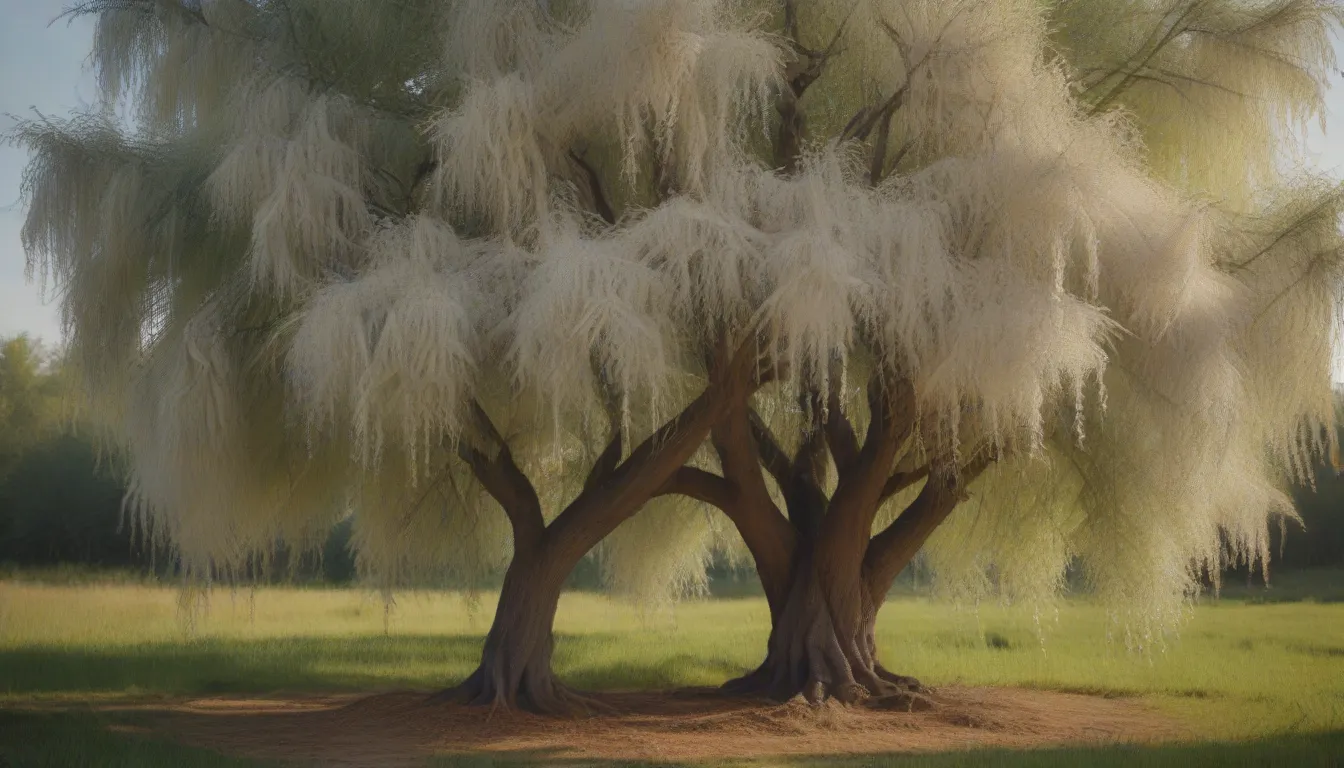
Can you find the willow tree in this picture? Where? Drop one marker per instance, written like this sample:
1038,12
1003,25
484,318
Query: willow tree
1055,258
498,275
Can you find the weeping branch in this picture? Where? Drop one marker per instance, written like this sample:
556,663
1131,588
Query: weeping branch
1130,72
145,7
1310,216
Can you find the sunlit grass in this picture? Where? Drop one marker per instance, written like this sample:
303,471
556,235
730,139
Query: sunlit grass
1236,671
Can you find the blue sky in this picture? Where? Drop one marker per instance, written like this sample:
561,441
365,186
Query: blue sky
42,66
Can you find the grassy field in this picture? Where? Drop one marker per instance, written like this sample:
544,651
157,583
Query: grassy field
1256,684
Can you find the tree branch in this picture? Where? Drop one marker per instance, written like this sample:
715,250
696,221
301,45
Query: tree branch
863,121
1178,26
805,69
878,165
606,462
147,7
840,436
1297,224
504,480
600,202
597,511
899,481
610,457
773,457
766,532
422,172
890,551
702,486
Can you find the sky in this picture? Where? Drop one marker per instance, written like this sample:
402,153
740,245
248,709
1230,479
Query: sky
43,68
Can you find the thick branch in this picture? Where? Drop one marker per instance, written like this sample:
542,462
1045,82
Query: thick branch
899,481
809,463
607,461
877,168
598,510
891,551
805,493
840,436
703,486
773,457
504,480
422,172
766,532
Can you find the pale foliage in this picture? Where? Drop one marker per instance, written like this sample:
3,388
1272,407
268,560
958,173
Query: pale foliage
390,353
685,534
334,230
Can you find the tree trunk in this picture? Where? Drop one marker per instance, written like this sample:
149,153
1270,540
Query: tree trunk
515,669
809,655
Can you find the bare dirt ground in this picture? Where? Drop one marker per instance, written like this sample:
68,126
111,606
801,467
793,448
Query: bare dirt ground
396,729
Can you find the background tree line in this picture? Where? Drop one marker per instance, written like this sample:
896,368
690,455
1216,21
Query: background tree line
59,504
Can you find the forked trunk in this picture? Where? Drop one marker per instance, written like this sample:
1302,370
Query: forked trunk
515,668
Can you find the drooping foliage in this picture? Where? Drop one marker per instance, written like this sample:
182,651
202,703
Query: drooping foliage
339,232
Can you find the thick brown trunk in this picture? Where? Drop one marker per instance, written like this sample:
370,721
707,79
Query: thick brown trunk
803,655
808,654
515,669
844,533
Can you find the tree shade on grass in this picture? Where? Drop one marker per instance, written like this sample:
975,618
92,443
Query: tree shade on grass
1247,684
1016,283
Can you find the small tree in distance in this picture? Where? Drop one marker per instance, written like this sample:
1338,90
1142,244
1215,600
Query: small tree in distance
832,268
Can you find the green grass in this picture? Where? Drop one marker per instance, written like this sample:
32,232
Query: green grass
1258,683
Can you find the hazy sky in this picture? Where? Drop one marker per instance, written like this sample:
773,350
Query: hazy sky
42,66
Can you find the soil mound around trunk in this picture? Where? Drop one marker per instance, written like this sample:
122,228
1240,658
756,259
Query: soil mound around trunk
395,729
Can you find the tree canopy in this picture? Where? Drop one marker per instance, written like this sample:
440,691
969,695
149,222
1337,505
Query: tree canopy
830,268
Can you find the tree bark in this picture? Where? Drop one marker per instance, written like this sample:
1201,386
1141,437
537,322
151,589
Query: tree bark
515,669
808,654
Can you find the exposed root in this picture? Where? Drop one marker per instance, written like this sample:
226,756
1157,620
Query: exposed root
808,657
903,682
563,701
539,694
903,701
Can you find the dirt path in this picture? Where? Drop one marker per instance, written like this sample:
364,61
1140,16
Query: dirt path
397,729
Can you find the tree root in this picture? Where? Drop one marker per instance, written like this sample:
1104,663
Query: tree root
540,694
807,656
903,682
902,701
